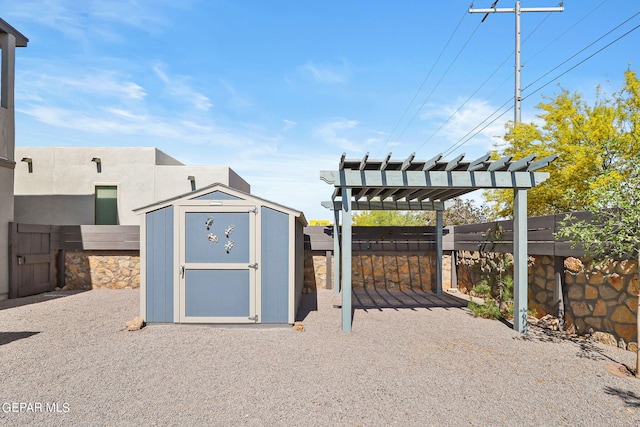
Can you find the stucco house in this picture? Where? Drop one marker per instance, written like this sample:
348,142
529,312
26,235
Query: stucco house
102,185
10,38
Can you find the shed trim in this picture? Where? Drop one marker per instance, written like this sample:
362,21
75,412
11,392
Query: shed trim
187,198
21,39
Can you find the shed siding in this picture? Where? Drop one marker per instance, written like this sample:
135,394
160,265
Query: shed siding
159,265
217,195
275,266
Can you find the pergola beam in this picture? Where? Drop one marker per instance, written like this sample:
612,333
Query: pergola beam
387,205
433,179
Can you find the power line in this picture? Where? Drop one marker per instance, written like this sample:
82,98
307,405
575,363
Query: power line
422,84
466,138
463,104
483,83
517,11
583,61
472,133
580,51
439,81
567,30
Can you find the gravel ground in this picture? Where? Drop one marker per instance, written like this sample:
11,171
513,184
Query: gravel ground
68,362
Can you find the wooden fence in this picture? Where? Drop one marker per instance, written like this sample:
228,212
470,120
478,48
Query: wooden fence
97,237
376,239
540,234
37,251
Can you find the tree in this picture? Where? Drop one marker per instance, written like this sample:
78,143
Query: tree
589,140
460,212
387,218
614,230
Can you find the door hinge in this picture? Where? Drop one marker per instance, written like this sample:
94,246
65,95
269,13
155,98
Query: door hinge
254,265
253,210
254,318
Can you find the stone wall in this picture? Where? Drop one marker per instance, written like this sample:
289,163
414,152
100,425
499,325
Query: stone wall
602,297
379,270
315,271
598,297
102,269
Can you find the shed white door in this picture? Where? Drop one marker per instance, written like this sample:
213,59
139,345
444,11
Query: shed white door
217,277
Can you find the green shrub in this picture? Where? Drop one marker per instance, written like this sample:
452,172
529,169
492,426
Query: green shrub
496,284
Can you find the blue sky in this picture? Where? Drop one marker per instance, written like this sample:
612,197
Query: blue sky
277,90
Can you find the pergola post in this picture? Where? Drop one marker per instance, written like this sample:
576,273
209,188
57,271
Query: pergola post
336,252
346,259
439,226
520,258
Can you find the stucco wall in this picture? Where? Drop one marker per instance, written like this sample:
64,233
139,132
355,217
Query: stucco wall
60,190
7,156
6,216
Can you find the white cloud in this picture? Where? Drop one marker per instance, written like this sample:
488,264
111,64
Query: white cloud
288,125
179,87
327,74
348,135
38,86
456,126
290,178
72,18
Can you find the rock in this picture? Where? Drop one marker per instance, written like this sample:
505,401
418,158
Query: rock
623,315
549,322
622,344
298,326
616,281
580,308
572,264
135,324
600,309
627,266
591,292
605,338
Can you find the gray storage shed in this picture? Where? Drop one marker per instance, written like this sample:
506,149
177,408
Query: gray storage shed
219,255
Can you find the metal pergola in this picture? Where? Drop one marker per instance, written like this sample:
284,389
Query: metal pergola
409,184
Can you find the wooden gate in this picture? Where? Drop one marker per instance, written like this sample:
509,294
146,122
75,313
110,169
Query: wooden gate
31,259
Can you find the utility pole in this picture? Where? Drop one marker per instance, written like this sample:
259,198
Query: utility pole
517,10
520,236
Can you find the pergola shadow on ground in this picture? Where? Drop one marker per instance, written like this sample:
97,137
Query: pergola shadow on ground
379,299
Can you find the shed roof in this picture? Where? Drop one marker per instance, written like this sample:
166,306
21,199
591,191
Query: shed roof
21,40
218,186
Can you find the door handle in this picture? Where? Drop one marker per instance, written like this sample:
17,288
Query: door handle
182,271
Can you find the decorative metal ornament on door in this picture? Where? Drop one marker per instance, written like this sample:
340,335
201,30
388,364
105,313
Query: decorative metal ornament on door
209,222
